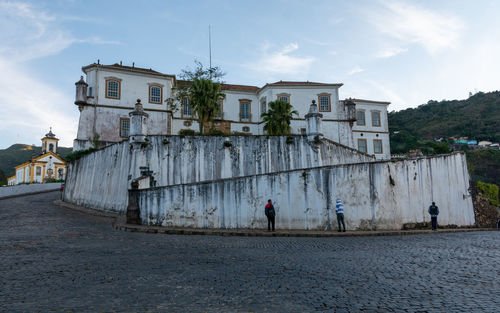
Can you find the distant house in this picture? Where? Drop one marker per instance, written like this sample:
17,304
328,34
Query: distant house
485,143
40,169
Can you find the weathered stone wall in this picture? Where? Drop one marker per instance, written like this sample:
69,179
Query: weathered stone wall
377,195
101,179
17,190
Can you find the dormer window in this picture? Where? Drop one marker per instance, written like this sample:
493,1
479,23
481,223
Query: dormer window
155,94
284,97
113,88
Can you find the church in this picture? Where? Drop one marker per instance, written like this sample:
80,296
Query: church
48,166
109,92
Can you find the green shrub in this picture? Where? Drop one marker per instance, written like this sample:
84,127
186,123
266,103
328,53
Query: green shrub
237,133
489,191
289,140
215,132
75,155
187,132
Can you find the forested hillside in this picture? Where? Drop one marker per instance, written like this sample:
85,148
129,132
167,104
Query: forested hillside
477,117
19,153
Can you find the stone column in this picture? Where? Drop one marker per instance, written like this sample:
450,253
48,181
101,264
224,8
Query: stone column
313,121
137,124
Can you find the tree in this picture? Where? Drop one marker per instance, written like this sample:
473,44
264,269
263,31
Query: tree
203,88
204,96
277,118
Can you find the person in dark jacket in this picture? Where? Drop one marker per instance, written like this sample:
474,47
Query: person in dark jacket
271,214
434,212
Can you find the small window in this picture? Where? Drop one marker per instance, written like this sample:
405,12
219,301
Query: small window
246,129
362,146
188,123
124,127
324,103
245,110
360,118
186,108
303,131
284,97
38,171
155,94
263,105
112,89
220,114
375,118
377,146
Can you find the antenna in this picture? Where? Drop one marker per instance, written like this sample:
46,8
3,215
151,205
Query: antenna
210,51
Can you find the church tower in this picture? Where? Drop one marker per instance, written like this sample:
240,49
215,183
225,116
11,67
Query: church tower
49,142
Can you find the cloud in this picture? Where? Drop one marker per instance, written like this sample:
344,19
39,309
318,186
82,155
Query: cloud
409,24
28,105
390,52
355,70
388,94
281,62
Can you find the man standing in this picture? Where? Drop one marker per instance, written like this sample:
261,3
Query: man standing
339,209
271,214
434,211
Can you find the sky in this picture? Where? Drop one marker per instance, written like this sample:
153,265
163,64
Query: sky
405,52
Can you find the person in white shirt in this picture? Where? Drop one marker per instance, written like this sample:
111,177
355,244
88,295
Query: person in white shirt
339,209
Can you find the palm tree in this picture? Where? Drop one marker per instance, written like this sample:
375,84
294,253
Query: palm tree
277,118
204,95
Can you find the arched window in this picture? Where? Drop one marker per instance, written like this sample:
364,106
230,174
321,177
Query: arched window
113,89
155,94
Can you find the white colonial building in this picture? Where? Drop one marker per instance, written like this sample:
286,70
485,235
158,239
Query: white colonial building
109,94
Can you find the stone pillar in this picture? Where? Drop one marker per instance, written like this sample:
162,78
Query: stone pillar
133,210
81,93
313,121
137,124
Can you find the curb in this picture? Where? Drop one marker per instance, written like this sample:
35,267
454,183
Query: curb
120,223
29,193
85,210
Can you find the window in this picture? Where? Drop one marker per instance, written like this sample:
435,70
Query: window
360,118
284,97
375,118
362,146
263,106
113,89
124,127
324,103
245,113
38,171
377,146
155,94
220,114
246,129
186,108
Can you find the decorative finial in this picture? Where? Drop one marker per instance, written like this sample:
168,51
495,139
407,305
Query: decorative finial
313,102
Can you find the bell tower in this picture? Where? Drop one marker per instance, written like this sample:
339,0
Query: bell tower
49,142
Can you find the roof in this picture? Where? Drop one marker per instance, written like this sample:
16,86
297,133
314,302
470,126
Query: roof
370,101
35,159
134,69
298,83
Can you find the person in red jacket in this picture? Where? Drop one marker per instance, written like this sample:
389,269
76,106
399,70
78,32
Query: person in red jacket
271,214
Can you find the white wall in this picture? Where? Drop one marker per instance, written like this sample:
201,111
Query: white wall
377,195
101,179
27,189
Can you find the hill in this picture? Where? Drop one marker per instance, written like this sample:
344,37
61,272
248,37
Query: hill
477,117
19,153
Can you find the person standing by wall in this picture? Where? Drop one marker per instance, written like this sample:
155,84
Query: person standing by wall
434,211
271,214
339,209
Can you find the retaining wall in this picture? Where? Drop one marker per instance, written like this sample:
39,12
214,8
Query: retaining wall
100,180
376,195
18,190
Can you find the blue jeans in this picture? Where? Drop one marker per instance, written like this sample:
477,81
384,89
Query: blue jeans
340,219
434,221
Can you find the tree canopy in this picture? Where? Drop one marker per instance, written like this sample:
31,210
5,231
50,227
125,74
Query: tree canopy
204,96
277,118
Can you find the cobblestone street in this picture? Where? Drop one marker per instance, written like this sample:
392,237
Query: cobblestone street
57,259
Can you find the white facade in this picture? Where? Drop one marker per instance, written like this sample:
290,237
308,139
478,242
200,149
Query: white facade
106,114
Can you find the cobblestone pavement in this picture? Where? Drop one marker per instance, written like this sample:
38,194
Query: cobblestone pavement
56,259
